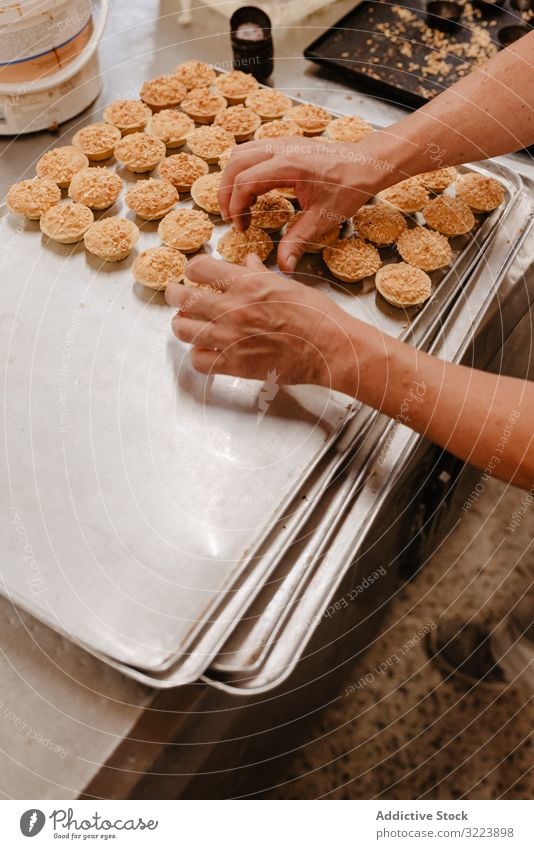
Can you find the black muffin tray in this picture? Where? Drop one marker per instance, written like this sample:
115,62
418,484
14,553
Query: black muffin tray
391,50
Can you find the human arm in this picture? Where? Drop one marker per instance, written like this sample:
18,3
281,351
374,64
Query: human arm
263,321
489,112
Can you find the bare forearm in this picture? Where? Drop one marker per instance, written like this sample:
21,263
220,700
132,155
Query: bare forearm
482,418
488,113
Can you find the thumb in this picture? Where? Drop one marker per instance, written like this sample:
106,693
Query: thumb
293,244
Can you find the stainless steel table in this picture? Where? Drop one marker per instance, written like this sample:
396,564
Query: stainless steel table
69,724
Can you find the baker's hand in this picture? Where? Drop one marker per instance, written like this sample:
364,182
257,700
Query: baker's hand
331,182
258,322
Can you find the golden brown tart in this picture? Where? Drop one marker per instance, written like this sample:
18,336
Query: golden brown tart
424,248
403,285
352,259
151,199
139,152
448,215
205,192
202,105
97,141
235,246
185,229
236,86
409,195
163,92
240,121
350,128
437,181
379,223
278,129
483,194
170,126
182,169
312,120
195,74
66,222
271,211
210,142
111,239
60,164
268,103
155,268
130,116
97,188
32,198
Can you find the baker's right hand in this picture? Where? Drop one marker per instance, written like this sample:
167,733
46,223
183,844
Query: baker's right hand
331,182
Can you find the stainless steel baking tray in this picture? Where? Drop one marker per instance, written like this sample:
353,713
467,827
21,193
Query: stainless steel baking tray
138,491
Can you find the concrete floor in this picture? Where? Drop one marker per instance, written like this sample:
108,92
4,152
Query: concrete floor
407,733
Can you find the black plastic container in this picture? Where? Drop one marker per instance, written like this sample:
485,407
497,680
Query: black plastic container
252,43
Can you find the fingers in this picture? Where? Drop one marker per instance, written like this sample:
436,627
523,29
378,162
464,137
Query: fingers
255,181
208,362
203,334
292,245
243,158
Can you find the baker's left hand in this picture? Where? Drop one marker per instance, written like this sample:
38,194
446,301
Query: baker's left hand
259,321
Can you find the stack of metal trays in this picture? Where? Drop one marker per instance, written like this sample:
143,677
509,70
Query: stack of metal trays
147,506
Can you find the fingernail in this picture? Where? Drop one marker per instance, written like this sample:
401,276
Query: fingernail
291,262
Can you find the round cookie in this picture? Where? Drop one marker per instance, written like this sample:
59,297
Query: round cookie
268,103
182,170
97,141
409,195
195,74
32,198
139,152
155,268
235,246
66,222
210,142
438,181
204,192
238,120
379,223
271,211
111,239
129,116
97,188
483,194
202,105
60,164
278,129
324,241
163,92
403,285
448,215
424,248
185,229
351,129
236,86
351,260
312,120
171,127
151,199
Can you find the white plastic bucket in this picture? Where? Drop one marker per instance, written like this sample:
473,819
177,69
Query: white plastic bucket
60,68
38,37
